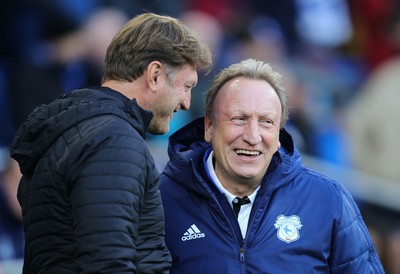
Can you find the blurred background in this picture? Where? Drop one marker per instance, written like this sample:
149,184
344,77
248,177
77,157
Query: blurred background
340,60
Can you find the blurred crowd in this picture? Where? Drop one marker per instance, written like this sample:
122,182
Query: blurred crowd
340,60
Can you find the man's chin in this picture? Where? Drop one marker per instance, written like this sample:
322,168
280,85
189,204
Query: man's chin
158,130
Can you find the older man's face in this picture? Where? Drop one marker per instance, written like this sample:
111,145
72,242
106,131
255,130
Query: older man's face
244,130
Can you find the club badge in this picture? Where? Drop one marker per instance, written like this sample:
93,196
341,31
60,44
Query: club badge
288,228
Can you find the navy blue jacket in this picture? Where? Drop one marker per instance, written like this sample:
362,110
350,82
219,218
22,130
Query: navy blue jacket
89,191
301,221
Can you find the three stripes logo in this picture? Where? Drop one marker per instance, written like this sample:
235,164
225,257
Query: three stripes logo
192,233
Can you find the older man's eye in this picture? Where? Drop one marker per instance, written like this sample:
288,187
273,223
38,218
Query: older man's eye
188,88
239,120
267,122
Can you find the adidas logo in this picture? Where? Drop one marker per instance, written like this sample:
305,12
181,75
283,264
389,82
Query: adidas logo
192,233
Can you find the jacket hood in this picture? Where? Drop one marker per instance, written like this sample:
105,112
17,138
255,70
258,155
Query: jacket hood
188,150
47,122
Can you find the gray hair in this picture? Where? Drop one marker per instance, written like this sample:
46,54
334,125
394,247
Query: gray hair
251,69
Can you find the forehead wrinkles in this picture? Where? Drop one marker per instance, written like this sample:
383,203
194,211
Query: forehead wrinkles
247,97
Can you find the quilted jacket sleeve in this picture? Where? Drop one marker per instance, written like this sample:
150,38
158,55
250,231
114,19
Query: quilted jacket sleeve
152,253
353,251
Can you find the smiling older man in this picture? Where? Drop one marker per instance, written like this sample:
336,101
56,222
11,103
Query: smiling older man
237,198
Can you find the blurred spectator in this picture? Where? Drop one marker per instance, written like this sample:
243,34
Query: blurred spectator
224,10
323,23
329,79
328,75
68,55
260,37
285,13
374,131
370,30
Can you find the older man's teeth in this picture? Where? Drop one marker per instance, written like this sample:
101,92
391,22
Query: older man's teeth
247,152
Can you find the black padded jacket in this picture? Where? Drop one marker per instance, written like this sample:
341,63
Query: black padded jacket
89,190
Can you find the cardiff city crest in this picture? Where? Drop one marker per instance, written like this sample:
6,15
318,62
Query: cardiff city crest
288,228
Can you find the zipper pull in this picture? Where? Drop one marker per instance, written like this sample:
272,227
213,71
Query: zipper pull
241,254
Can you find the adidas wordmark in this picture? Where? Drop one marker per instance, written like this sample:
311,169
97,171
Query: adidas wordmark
192,233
